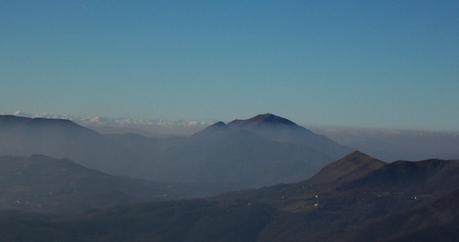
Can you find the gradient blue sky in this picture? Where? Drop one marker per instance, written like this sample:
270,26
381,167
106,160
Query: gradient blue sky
388,63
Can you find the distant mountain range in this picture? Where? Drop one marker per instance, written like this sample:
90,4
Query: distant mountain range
387,144
357,198
262,150
146,127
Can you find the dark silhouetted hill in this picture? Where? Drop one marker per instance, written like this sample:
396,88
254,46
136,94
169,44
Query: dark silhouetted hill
350,167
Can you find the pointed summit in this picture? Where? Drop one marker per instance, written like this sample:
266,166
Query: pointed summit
357,156
262,120
353,166
218,126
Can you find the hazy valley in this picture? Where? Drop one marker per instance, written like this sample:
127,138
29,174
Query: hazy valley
260,179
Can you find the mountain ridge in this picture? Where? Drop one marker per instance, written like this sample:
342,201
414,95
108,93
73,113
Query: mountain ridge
12,121
262,119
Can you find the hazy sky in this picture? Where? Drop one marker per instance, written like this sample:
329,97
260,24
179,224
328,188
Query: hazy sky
361,63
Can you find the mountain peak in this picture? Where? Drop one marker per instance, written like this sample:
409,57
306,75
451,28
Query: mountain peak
352,166
218,124
263,119
212,128
357,156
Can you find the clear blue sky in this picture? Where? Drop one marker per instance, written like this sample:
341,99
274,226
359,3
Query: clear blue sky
362,63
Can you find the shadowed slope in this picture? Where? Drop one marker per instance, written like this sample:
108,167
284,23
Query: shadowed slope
351,167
